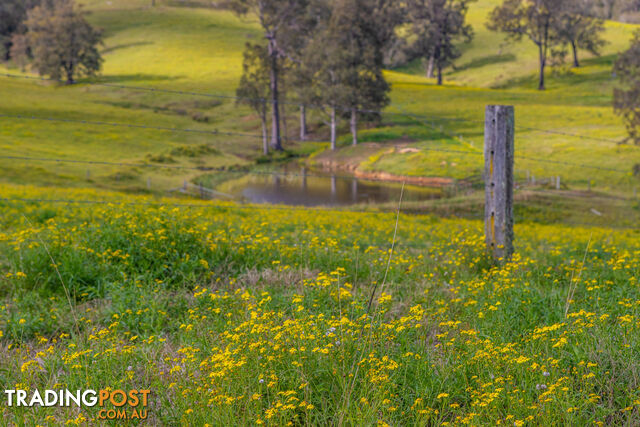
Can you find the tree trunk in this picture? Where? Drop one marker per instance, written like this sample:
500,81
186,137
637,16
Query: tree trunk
333,128
69,72
611,5
284,124
430,67
439,74
303,123
265,136
276,141
354,125
576,61
543,63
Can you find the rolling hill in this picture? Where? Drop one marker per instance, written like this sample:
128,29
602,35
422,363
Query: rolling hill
195,49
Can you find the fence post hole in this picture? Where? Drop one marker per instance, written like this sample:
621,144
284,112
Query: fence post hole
499,165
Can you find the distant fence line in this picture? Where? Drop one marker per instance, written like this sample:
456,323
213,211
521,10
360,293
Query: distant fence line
308,105
498,177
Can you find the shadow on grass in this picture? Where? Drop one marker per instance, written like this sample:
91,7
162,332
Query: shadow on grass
128,78
580,86
484,61
124,46
196,4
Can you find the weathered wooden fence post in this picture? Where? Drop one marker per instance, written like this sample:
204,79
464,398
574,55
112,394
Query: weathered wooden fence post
499,165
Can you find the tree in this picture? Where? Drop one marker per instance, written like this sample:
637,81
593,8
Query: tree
344,62
626,96
535,19
614,9
360,37
608,8
253,89
276,17
316,19
322,65
19,52
62,42
578,29
12,15
438,26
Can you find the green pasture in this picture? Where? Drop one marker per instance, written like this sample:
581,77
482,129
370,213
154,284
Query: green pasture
198,49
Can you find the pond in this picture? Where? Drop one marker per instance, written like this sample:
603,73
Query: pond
299,186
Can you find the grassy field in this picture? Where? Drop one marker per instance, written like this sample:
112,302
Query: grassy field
577,101
172,48
243,316
200,49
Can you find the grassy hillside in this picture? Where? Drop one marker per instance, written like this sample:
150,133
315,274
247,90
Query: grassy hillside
199,49
241,315
174,48
577,101
232,319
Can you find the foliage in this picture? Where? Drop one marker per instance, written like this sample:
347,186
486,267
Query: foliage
12,15
345,60
576,28
626,97
280,22
63,43
535,19
438,26
253,88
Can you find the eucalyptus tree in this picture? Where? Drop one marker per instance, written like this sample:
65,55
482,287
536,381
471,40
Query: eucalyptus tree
345,61
63,44
12,16
577,28
626,96
536,20
438,27
253,89
277,18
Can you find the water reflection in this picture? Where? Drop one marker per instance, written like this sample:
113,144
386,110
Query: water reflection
313,188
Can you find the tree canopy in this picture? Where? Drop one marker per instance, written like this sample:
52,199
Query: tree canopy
626,97
277,19
253,88
576,27
533,19
437,28
12,15
62,42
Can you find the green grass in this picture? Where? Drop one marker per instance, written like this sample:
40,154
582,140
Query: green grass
174,48
577,101
246,315
200,49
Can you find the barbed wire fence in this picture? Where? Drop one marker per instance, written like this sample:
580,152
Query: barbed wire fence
203,192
